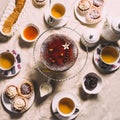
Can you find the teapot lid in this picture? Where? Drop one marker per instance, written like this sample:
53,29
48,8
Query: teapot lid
91,35
116,25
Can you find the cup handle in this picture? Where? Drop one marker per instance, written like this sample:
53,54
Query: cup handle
1,71
51,20
76,111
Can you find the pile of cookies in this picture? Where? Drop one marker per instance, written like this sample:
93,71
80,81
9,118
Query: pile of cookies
12,18
19,95
91,10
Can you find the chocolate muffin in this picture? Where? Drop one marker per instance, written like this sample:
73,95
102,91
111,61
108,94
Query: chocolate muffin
58,52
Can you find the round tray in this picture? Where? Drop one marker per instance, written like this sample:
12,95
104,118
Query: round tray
75,69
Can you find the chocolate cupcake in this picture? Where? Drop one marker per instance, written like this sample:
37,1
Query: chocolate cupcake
11,91
26,89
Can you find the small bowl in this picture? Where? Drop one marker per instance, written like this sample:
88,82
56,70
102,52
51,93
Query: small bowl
96,88
29,33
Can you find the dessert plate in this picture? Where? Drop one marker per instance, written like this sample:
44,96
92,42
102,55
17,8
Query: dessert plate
83,18
63,75
61,24
16,68
101,66
7,12
8,104
55,101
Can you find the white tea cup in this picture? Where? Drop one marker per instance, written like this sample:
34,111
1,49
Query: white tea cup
7,60
67,107
56,13
29,32
109,55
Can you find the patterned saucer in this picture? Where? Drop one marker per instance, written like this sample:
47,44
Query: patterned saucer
102,66
16,68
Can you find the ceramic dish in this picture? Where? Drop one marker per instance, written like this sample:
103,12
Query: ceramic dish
7,12
56,99
83,18
62,22
63,75
100,65
8,104
16,68
29,32
98,87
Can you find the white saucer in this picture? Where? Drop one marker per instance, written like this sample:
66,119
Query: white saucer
61,23
56,99
7,103
83,18
101,65
16,68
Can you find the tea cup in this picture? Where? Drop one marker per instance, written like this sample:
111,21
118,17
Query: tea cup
92,83
66,107
57,13
29,32
109,55
7,60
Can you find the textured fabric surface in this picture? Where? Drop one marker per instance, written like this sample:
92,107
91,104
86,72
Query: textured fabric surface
104,106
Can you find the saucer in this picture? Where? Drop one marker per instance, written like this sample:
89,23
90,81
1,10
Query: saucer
61,23
83,18
16,68
55,101
8,104
102,66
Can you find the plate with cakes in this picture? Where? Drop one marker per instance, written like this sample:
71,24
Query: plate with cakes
11,17
58,55
18,96
90,11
